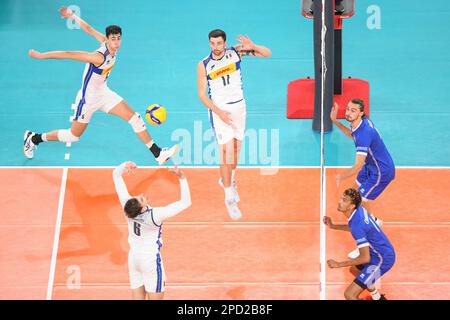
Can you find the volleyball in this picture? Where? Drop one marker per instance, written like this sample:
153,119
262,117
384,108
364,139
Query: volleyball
155,114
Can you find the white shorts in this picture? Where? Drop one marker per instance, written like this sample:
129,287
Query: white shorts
225,132
105,100
146,270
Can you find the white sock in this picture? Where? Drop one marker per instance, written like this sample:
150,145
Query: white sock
375,294
149,144
229,193
44,137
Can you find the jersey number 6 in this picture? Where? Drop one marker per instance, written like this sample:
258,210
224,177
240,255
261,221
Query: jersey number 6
137,229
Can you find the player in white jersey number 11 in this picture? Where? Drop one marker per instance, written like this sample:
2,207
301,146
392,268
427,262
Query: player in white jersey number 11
220,73
94,93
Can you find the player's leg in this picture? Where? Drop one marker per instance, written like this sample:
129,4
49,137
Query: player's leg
135,275
138,293
33,139
370,274
226,165
154,278
233,184
226,162
239,116
155,295
370,191
224,134
355,270
353,291
237,150
125,112
82,116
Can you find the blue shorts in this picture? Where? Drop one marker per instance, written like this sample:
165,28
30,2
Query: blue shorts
373,271
371,186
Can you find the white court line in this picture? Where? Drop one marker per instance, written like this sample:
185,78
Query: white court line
210,167
205,284
398,167
159,167
397,283
51,277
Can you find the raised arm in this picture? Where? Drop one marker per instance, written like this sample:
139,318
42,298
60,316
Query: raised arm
121,188
67,14
246,47
96,58
342,127
162,213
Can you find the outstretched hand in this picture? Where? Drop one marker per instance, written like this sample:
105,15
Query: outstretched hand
333,264
334,111
65,13
35,54
130,166
327,221
246,43
177,171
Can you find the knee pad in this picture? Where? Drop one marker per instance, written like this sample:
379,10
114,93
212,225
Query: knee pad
137,123
67,136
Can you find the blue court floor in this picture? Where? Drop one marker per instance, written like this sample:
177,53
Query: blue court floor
406,62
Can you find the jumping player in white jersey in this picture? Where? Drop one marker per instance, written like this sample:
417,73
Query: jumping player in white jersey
220,73
146,270
94,93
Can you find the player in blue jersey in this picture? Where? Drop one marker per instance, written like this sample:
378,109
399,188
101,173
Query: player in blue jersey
94,93
377,255
373,164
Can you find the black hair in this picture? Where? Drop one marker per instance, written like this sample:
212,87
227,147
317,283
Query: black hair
217,33
113,30
360,103
354,195
132,208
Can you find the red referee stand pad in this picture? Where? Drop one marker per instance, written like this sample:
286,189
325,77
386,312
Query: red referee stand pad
300,94
300,99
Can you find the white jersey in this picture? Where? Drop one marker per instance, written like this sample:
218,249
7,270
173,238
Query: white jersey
94,78
224,77
144,232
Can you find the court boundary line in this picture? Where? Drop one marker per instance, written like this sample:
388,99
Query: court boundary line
204,283
233,283
62,192
215,167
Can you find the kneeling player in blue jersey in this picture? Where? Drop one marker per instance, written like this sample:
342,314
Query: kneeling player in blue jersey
376,253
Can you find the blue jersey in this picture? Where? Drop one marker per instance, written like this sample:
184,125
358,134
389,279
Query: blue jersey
368,142
367,233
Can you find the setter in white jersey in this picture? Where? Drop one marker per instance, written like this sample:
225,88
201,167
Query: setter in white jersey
146,270
94,93
220,73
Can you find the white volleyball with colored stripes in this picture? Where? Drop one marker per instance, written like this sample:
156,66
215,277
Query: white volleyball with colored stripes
155,114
